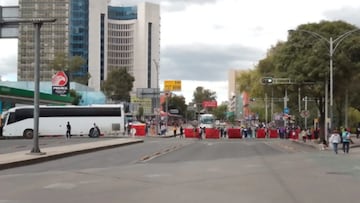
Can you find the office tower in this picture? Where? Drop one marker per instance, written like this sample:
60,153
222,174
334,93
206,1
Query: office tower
106,36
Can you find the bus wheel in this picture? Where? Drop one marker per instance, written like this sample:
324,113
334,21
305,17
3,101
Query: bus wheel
28,134
94,133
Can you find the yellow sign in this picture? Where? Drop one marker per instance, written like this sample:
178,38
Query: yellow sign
172,85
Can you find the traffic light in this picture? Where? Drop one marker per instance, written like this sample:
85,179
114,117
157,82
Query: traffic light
266,80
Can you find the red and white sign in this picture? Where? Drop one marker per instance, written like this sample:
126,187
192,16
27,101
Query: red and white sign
60,79
60,83
206,104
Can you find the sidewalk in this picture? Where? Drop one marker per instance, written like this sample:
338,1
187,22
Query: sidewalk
21,158
315,143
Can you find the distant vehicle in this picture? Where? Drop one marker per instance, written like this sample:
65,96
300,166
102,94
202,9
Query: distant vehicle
207,121
19,121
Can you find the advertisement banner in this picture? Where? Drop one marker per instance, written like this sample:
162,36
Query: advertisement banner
60,84
212,104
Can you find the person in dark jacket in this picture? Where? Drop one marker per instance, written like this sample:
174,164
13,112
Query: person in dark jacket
68,130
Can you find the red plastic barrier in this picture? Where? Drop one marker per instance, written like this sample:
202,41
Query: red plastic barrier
234,133
261,133
140,130
273,133
212,133
189,133
294,134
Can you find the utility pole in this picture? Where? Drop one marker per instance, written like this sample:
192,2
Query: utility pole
37,26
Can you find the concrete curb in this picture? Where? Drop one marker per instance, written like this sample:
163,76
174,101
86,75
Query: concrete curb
29,159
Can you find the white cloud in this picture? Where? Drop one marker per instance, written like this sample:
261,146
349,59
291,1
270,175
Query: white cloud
201,40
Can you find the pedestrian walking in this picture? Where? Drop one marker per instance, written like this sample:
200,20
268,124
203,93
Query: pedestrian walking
174,130
181,132
335,140
358,131
68,130
346,141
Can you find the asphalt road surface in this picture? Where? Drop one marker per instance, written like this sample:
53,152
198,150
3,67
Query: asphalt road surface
174,170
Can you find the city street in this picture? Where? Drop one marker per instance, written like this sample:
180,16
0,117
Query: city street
190,170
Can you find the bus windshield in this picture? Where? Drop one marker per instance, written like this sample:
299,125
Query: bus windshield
207,119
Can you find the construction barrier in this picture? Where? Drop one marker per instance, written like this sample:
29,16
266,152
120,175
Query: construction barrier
140,129
212,133
191,133
273,133
294,134
261,133
234,133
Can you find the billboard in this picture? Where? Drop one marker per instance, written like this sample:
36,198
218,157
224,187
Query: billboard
211,104
60,83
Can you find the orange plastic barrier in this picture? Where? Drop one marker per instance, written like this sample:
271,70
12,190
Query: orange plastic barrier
140,130
234,133
261,133
212,133
273,133
189,133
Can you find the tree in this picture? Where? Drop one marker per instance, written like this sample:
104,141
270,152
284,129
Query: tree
220,112
73,65
305,57
201,94
118,85
140,113
77,97
176,102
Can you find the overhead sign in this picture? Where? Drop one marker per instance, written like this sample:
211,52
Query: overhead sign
7,15
60,83
172,85
212,104
305,114
147,92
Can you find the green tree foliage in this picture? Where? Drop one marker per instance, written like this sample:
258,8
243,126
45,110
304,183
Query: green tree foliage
176,102
201,94
304,57
118,85
77,97
220,112
140,113
73,65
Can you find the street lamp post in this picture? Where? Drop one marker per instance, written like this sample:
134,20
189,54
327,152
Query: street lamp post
157,96
333,44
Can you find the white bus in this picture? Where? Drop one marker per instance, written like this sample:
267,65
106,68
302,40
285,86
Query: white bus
206,121
19,121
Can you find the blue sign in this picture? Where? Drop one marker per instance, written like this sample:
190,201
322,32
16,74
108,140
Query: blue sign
286,110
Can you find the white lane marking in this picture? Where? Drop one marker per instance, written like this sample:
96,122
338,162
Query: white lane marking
65,186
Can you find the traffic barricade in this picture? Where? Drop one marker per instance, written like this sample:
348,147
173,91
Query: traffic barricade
273,133
140,129
234,133
294,134
261,133
191,133
212,133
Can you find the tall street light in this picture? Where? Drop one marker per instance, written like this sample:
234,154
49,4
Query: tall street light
333,45
157,96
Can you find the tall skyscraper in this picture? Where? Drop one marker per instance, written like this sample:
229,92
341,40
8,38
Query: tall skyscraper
107,37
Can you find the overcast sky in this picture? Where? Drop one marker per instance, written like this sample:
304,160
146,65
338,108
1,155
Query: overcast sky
202,39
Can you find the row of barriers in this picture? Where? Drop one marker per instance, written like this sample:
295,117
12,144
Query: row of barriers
236,133
231,133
